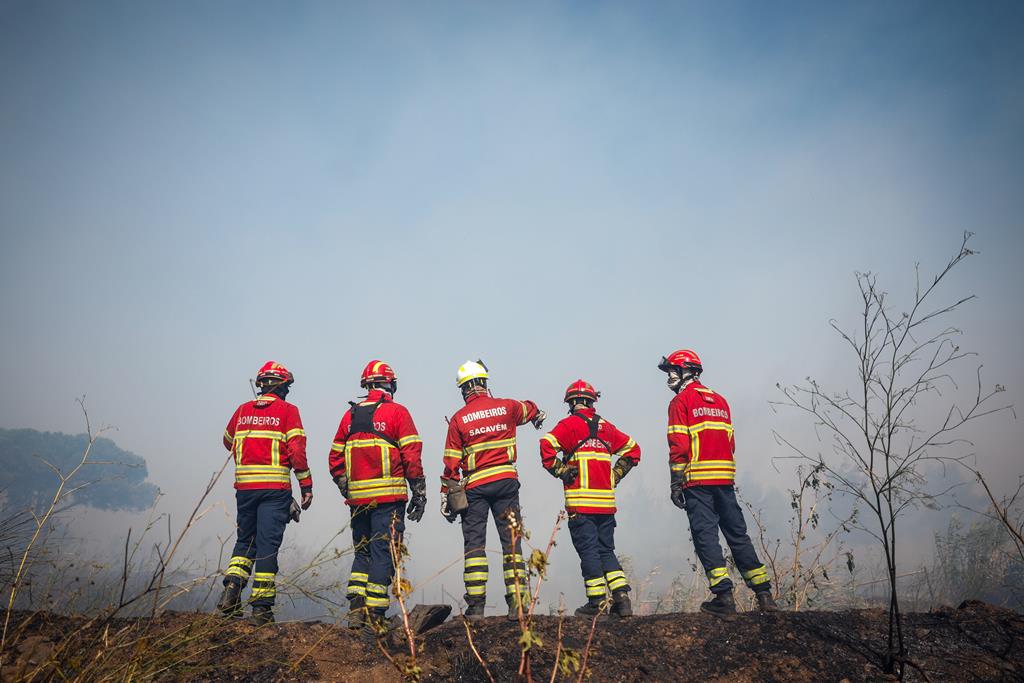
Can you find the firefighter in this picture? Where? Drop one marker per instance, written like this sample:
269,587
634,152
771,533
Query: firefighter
701,447
265,436
376,450
480,456
588,444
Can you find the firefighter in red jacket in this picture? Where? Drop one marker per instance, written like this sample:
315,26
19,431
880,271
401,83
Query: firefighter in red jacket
701,447
267,440
376,450
480,455
588,444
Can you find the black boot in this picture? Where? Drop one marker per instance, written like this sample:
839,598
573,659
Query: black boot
261,615
722,604
621,606
356,616
513,607
230,603
474,611
765,601
376,623
593,607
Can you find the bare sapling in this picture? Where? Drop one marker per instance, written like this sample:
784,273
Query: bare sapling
902,419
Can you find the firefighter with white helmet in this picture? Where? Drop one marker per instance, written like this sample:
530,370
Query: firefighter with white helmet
480,459
267,440
588,444
701,446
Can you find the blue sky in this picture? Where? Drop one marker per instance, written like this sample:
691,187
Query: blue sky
564,189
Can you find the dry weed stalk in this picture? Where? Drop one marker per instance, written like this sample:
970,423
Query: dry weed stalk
590,638
476,652
402,588
61,494
538,566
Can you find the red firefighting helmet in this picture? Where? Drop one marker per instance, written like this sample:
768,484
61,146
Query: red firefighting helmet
684,359
581,389
377,371
274,373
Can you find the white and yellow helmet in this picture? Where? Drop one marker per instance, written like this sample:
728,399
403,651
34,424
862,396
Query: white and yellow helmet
471,369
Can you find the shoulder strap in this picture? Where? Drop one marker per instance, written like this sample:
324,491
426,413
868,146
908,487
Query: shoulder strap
362,421
592,426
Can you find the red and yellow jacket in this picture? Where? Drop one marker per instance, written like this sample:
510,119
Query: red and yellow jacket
593,491
700,437
377,462
481,443
266,437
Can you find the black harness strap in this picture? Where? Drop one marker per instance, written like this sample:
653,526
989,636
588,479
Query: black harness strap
362,421
592,426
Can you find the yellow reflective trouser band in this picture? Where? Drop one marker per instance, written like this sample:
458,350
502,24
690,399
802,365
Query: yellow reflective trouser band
595,587
357,583
239,566
263,585
616,580
717,575
377,596
514,567
475,575
756,576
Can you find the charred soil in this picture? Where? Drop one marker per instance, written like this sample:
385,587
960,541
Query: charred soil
975,642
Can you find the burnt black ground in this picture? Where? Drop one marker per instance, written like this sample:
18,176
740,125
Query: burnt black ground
975,642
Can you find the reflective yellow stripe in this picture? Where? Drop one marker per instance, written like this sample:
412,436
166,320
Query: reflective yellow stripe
489,472
474,576
452,453
412,438
717,575
476,590
475,561
488,445
368,443
594,455
259,434
292,433
304,474
337,447
711,424
625,449
380,482
550,438
262,469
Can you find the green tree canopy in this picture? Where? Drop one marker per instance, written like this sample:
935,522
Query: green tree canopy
115,478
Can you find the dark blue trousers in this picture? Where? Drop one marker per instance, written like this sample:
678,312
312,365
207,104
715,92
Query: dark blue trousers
262,515
499,498
593,536
710,508
372,567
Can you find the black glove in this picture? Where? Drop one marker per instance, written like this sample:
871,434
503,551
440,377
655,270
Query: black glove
538,421
567,473
676,490
446,511
294,511
342,482
622,467
419,499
